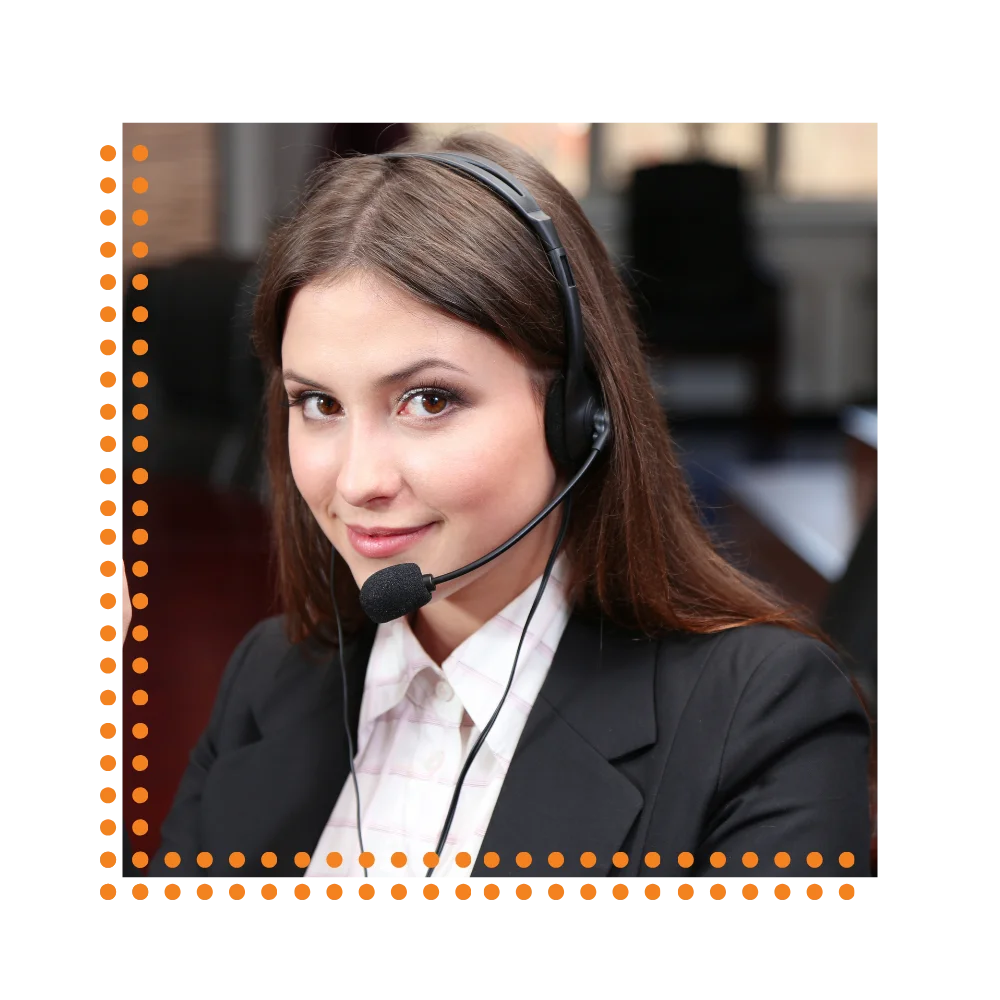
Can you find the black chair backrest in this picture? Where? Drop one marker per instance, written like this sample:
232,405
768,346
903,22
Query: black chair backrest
687,231
204,386
192,306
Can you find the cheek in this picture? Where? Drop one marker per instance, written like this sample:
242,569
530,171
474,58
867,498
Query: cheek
313,467
495,464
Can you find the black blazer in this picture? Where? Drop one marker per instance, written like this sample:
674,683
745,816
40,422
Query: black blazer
748,740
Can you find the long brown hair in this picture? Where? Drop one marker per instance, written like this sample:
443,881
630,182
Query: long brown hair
638,553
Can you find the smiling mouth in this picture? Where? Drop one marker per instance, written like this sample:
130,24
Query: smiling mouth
389,542
383,532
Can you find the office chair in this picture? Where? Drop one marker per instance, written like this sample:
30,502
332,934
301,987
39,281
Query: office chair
199,367
699,289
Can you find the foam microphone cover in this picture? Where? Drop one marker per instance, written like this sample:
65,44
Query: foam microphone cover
393,592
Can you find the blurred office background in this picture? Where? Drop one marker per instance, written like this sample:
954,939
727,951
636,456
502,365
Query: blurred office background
751,251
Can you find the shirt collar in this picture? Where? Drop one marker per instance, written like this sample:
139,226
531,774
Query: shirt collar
478,670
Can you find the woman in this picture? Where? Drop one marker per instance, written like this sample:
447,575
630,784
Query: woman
664,714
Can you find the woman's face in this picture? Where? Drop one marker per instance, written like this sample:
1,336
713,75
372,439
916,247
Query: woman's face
406,419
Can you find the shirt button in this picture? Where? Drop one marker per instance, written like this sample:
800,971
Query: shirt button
444,691
434,761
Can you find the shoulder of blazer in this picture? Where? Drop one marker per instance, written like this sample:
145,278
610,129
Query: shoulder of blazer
271,681
740,696
748,676
265,654
255,663
741,652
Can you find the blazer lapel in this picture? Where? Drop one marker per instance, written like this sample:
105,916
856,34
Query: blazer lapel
562,793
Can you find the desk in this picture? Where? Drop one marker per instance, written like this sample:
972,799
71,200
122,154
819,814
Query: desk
860,425
796,522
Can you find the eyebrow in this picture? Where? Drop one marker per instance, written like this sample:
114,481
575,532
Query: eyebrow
384,381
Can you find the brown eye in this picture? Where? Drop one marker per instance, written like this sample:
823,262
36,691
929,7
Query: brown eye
419,403
434,403
317,407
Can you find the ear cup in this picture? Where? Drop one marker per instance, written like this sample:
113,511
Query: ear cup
562,429
555,425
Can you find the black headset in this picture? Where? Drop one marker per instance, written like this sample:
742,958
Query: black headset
577,429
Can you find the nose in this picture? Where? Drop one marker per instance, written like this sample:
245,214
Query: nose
368,470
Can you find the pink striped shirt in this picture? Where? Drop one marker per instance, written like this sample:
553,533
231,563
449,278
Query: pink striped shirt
417,725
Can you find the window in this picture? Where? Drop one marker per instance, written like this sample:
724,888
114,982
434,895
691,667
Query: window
828,160
183,196
803,161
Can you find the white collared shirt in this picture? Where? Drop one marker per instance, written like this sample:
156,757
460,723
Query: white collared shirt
417,725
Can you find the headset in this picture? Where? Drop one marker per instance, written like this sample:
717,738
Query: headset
577,430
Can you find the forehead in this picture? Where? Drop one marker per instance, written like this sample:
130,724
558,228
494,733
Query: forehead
366,320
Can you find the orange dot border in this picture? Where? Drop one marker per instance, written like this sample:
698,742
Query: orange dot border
640,889
128,849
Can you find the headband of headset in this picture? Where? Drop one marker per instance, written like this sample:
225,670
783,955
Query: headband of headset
570,421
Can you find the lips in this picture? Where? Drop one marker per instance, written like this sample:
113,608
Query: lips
379,532
379,543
